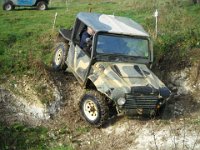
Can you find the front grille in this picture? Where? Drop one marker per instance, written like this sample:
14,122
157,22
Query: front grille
138,102
145,90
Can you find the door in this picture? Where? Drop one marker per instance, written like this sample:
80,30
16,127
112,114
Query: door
26,2
79,61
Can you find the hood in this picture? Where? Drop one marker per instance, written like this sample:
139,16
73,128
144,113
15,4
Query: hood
130,78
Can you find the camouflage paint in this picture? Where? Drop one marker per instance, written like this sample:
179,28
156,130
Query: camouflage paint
117,79
78,61
116,82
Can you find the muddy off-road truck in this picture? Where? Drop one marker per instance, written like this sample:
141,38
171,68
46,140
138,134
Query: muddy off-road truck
114,72
39,4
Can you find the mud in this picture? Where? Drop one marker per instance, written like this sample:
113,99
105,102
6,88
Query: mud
174,130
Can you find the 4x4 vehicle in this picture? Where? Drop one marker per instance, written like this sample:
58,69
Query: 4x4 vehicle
115,73
11,4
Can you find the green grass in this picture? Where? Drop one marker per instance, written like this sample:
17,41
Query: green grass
26,35
18,136
27,40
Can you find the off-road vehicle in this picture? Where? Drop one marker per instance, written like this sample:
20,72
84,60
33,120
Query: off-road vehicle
114,72
11,4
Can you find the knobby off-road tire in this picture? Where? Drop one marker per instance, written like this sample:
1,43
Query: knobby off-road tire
8,6
94,108
42,5
60,55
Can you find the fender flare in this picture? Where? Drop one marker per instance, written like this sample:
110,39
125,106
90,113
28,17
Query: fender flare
66,34
104,89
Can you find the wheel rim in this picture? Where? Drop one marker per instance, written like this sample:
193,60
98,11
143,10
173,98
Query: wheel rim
58,56
90,110
8,7
42,7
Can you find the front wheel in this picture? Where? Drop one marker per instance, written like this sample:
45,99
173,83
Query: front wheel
60,56
94,108
42,5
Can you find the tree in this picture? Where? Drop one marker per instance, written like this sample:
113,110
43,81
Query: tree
196,1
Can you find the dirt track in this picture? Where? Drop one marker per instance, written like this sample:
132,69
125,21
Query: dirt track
120,132
125,133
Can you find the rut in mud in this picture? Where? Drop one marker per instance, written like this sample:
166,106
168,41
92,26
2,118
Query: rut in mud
173,130
120,132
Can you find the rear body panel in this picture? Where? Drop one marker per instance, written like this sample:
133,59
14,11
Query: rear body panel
24,2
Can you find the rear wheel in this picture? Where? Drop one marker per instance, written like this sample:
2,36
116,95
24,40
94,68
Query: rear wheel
60,56
94,108
42,5
8,6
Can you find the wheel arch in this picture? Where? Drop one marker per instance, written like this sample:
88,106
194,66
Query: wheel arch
90,85
37,1
60,38
9,1
101,87
65,34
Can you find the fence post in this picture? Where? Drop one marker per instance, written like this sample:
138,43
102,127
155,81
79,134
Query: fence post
54,22
156,25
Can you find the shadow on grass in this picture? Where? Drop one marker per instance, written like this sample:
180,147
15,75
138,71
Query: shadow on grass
34,8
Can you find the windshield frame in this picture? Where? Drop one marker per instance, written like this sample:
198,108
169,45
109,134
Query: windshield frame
120,57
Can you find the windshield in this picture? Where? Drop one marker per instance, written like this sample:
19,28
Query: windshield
122,45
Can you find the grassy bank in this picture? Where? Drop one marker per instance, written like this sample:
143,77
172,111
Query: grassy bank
27,40
26,35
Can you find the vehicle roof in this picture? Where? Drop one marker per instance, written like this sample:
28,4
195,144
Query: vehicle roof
112,24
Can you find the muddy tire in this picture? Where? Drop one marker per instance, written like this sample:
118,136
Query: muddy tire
8,6
42,5
60,56
94,108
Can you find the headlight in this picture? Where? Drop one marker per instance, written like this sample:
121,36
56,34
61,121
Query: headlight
121,101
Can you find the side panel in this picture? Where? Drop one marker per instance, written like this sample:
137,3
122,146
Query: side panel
14,1
81,63
78,61
26,2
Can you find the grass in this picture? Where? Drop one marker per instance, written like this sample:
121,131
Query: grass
23,137
27,39
26,35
